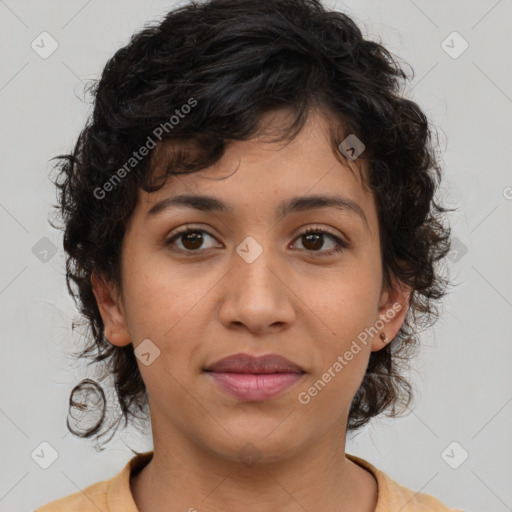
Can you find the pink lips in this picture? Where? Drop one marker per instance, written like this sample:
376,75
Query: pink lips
254,378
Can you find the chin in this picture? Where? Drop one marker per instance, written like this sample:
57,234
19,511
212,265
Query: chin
257,444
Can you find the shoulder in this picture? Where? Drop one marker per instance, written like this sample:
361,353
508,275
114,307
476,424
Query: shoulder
112,495
412,501
393,496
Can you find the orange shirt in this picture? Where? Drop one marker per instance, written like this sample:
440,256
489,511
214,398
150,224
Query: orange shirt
114,495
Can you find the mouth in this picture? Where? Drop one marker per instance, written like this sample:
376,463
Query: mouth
245,363
250,378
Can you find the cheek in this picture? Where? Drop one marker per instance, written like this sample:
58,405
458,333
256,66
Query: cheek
166,306
348,307
147,308
348,301
156,302
344,358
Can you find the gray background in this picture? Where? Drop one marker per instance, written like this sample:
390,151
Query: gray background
462,374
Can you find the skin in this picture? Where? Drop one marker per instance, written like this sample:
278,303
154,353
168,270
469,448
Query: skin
199,308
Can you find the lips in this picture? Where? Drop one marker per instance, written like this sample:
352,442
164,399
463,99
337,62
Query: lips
245,363
251,379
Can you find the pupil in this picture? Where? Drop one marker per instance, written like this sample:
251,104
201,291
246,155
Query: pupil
318,241
195,238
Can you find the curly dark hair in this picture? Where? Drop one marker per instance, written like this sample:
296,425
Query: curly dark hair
223,64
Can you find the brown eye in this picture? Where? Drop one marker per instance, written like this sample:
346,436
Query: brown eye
191,239
314,239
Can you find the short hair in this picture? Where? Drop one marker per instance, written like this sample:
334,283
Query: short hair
204,75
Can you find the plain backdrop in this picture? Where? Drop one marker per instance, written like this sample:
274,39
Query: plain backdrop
463,407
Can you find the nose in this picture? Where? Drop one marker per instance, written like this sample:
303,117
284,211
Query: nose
256,296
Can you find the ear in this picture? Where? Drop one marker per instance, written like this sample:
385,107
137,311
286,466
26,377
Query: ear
393,307
111,310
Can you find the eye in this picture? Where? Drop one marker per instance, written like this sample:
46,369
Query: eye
191,239
314,240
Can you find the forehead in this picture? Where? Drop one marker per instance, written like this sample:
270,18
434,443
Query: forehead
261,176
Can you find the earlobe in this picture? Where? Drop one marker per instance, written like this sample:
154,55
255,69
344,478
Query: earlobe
111,310
393,309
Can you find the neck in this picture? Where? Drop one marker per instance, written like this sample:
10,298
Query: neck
184,476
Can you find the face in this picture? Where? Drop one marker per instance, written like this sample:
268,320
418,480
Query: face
247,279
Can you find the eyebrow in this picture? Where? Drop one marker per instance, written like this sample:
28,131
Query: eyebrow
296,204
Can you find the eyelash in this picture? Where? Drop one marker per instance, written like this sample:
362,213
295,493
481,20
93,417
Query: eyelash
341,245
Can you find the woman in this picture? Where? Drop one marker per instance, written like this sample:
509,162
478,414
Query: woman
252,234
